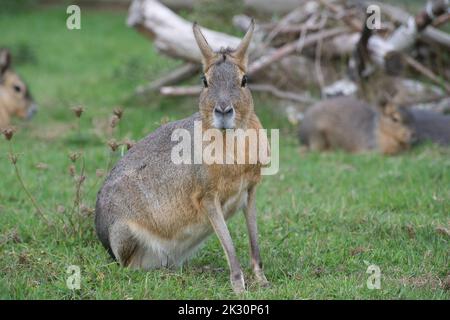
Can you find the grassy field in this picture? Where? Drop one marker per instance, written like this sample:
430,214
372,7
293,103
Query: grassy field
322,219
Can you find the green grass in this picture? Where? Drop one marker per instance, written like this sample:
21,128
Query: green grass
320,219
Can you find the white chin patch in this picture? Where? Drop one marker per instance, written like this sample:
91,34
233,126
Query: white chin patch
223,122
32,111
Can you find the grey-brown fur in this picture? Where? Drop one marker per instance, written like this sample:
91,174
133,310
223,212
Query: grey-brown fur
153,213
354,126
432,126
150,158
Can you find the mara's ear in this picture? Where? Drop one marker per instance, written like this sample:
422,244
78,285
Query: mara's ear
241,52
205,49
5,60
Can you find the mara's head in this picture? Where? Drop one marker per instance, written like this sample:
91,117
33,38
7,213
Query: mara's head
396,125
225,101
15,98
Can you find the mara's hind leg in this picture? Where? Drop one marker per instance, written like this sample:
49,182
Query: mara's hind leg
134,250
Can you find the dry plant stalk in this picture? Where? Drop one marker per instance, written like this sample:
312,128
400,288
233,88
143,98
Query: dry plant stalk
9,133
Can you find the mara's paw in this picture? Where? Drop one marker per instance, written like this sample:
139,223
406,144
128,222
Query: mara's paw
238,283
261,280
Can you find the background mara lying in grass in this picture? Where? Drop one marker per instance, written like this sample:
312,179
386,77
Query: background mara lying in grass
323,219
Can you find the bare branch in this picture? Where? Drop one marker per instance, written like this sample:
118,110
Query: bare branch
268,88
426,72
292,47
182,73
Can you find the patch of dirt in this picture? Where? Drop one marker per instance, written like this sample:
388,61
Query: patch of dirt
447,282
411,231
357,250
443,230
10,236
426,281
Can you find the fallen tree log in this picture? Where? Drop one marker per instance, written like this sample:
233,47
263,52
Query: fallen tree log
180,91
410,91
377,49
184,72
299,15
296,73
403,37
268,88
387,53
171,34
443,19
292,47
429,34
342,45
290,54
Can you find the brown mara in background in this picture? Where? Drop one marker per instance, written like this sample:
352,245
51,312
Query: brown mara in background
15,97
352,125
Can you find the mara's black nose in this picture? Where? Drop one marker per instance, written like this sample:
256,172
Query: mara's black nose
223,110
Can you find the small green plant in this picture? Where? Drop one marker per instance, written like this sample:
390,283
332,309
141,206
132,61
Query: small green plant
14,158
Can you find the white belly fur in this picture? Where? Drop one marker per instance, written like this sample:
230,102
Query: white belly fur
159,252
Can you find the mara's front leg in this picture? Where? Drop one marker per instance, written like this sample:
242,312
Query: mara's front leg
215,215
250,217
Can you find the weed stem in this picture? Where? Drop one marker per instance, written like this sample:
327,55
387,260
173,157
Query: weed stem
13,159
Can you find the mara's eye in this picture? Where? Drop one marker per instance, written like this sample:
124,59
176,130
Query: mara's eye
17,88
205,83
244,81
